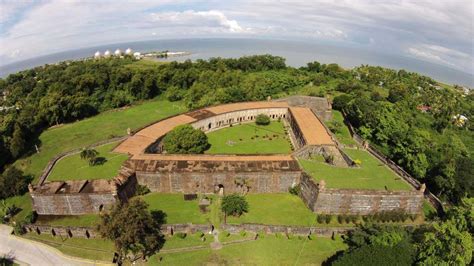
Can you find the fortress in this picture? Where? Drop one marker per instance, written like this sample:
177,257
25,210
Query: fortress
149,165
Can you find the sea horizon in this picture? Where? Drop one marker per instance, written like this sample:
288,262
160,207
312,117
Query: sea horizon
296,52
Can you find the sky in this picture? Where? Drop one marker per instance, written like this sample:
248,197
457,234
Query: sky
437,31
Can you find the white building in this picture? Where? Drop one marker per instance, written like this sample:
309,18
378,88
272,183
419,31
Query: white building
107,53
118,52
128,51
137,55
97,54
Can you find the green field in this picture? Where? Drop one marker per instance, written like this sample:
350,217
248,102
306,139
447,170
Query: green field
250,139
176,208
276,208
343,136
75,168
24,203
92,130
372,173
92,249
267,250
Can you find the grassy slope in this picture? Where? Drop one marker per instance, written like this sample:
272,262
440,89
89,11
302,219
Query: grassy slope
89,131
281,208
344,136
176,208
279,144
267,250
73,167
93,249
372,174
24,203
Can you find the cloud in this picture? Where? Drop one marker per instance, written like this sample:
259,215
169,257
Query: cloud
438,31
212,19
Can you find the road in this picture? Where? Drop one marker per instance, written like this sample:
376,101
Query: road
33,253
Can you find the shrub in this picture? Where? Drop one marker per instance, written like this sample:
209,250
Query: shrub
320,219
327,218
31,217
225,233
347,218
199,234
243,233
181,235
340,102
340,219
262,120
295,190
234,205
141,190
357,162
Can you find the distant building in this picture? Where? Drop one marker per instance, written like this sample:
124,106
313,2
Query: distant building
118,52
137,55
128,51
97,55
107,53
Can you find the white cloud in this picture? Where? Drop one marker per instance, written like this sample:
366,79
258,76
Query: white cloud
439,31
211,19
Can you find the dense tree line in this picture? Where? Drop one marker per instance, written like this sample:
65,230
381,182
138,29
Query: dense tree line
447,241
382,104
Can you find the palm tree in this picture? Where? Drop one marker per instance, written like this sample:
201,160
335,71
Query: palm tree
89,154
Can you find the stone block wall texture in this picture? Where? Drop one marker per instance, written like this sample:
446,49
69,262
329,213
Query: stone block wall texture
81,203
319,105
63,231
195,182
72,204
309,191
350,201
284,229
361,202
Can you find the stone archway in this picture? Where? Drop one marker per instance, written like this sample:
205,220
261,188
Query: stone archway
220,190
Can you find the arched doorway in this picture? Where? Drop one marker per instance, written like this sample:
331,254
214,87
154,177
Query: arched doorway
220,190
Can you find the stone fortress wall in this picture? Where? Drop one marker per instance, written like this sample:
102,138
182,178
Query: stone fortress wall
226,173
324,200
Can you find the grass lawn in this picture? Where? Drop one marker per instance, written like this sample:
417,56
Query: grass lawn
372,173
100,127
238,139
73,167
267,250
276,208
176,208
89,220
93,249
344,136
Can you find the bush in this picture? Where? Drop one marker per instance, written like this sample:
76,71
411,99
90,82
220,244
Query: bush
185,139
199,234
225,233
262,120
234,205
31,217
181,235
320,219
340,102
141,190
295,190
13,183
340,219
327,218
243,233
19,229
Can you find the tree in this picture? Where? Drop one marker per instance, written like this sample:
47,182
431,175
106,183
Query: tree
445,244
13,183
185,139
234,204
90,155
262,120
132,228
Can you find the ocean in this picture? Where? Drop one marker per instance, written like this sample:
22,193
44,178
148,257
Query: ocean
297,53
